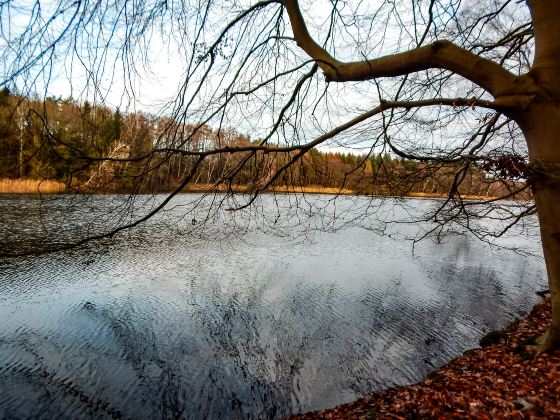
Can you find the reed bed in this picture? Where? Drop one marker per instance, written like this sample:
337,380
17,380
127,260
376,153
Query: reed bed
309,189
31,186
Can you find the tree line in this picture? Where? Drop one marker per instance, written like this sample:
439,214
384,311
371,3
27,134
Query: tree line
99,149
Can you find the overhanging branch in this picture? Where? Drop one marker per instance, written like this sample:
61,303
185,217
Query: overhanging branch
441,54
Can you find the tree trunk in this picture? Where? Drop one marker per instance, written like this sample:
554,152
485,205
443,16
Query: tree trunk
540,123
546,189
541,127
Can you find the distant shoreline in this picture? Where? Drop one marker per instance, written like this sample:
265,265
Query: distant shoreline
34,186
317,189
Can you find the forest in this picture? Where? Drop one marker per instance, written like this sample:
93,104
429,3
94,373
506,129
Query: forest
97,149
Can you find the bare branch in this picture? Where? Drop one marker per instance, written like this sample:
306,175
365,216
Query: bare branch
441,54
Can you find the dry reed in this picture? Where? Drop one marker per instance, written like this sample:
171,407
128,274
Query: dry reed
31,186
240,188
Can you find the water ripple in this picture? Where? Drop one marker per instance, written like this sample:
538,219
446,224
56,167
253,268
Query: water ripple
243,325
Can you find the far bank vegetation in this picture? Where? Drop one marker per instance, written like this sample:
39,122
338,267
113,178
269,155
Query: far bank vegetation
76,147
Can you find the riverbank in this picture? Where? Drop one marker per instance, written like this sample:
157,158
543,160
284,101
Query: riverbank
318,189
241,188
498,380
35,186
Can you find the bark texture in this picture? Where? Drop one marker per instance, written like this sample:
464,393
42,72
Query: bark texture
546,188
541,125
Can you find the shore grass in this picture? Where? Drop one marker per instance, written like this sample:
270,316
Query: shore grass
30,186
314,189
308,189
441,195
35,186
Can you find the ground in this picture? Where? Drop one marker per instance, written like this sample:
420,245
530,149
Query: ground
499,380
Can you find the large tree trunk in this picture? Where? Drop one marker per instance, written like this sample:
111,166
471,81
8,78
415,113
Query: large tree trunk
540,122
546,188
541,127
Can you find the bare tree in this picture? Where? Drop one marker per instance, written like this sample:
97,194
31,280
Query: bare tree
457,85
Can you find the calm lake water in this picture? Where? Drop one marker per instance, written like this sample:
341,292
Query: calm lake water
211,314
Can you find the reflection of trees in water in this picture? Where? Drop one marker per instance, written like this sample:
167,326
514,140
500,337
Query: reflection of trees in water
236,326
314,341
257,346
154,389
285,353
410,336
34,387
61,370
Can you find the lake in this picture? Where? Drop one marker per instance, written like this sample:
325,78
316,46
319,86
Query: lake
300,303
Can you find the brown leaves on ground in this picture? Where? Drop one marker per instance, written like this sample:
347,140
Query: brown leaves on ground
497,381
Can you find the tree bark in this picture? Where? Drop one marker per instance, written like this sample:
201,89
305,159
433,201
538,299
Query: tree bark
546,189
541,127
546,64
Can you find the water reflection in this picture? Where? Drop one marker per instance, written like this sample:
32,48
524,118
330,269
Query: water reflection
166,325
